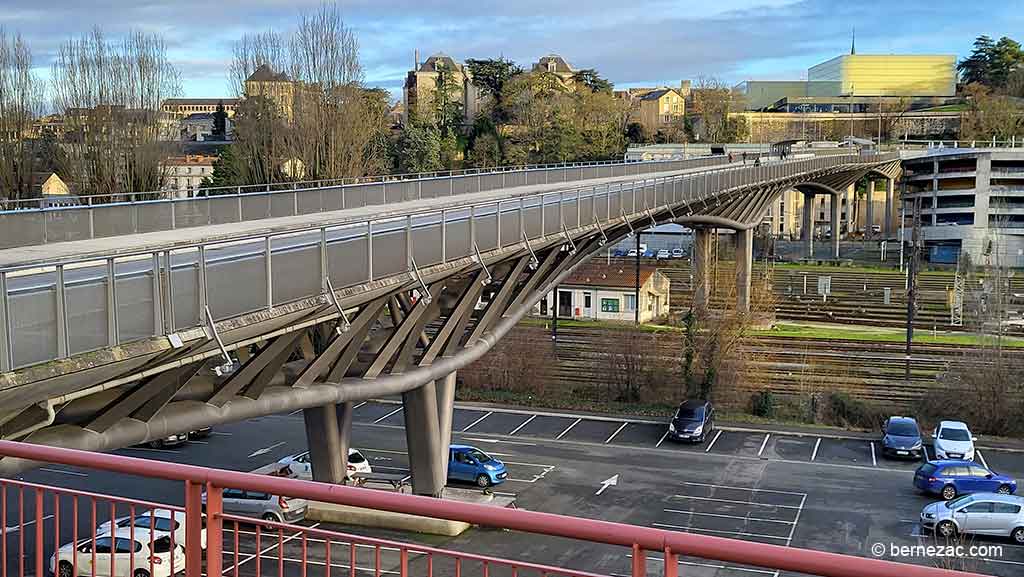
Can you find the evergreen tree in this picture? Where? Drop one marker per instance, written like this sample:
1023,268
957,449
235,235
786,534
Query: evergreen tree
220,122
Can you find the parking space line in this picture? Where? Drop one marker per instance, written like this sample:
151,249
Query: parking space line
523,424
816,445
735,502
763,443
617,431
662,440
723,516
151,450
981,458
712,443
795,493
796,520
474,423
925,450
740,533
874,462
569,428
398,410
260,554
698,564
359,405
63,472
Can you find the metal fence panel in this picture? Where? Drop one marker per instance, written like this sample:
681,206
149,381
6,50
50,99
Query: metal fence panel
491,181
426,240
374,195
308,201
134,301
194,212
282,204
515,178
66,224
156,216
586,210
224,209
486,228
510,231
536,176
434,188
569,213
295,267
355,196
551,222
457,235
113,220
33,321
389,253
465,184
531,218
255,206
227,297
24,228
332,198
346,261
184,287
87,314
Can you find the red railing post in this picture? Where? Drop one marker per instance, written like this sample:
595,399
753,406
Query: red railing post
39,532
639,561
214,530
193,529
671,563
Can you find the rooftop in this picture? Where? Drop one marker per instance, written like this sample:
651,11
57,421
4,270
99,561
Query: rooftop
616,276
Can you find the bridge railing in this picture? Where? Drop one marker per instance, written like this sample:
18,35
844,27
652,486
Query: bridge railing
49,519
25,224
58,308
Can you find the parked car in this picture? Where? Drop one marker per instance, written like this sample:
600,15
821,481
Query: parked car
953,440
693,421
122,546
470,464
678,253
618,252
649,253
201,433
981,513
901,437
952,478
259,505
301,466
169,441
664,254
165,522
631,253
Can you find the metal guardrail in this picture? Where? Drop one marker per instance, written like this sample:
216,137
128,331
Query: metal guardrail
42,225
228,546
58,308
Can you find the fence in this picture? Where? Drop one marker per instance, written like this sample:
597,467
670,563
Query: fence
55,309
234,541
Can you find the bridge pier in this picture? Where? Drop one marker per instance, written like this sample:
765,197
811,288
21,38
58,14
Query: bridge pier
869,231
701,260
890,188
744,266
423,439
807,225
328,430
834,217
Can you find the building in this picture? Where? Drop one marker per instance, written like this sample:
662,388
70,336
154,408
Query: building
199,127
421,87
54,192
184,174
932,75
971,200
555,64
275,86
661,109
183,107
763,94
600,292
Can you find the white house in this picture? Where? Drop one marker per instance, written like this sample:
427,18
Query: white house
601,292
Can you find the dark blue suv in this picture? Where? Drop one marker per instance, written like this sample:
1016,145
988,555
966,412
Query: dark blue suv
953,478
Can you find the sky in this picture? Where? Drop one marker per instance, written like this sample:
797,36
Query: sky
631,42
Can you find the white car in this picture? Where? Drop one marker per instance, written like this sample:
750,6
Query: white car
121,551
301,466
953,440
664,254
163,519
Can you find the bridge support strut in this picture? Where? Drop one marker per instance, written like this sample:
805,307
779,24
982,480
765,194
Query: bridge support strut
701,261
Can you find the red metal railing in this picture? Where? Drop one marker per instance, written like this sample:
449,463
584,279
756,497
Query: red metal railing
232,545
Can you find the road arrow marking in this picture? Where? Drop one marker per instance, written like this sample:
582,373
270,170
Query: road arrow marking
265,450
609,482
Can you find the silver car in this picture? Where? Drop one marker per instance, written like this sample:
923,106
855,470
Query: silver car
258,505
978,513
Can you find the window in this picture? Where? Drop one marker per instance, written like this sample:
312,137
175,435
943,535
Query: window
127,545
233,494
256,496
951,434
609,305
956,472
1005,508
586,300
980,507
978,472
630,302
102,545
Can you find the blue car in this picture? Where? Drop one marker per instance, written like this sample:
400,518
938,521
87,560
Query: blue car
953,478
472,465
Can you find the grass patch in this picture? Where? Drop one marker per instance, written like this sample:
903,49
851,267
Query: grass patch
597,324
878,335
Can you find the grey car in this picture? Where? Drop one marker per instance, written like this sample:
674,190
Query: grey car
979,514
258,505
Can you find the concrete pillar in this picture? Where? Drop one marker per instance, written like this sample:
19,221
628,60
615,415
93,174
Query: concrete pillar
807,225
870,220
890,188
423,439
325,445
701,260
834,205
744,264
445,413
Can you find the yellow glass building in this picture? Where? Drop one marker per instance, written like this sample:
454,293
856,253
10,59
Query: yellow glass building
889,75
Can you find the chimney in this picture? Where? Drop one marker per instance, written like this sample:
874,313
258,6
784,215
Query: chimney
416,58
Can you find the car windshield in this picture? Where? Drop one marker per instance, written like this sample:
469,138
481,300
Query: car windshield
959,501
690,413
479,455
356,457
902,429
954,435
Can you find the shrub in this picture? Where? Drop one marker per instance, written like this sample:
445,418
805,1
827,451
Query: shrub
845,411
762,404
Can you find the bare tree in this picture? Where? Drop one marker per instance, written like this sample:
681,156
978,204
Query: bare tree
21,100
713,101
110,95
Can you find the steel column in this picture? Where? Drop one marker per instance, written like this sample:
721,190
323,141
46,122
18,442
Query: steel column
807,225
744,264
62,316
890,188
422,436
834,206
323,437
869,231
112,337
701,260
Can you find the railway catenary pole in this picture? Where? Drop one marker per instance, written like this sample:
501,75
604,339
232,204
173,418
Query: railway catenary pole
915,258
636,284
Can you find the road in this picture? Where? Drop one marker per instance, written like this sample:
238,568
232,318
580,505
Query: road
801,490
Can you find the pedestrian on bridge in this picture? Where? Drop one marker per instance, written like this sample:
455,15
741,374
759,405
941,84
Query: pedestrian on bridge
744,158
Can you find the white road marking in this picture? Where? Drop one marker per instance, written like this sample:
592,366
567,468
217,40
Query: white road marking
662,440
221,433
735,502
396,411
191,442
617,431
978,454
697,564
524,423
609,482
816,445
474,423
252,556
16,528
740,533
712,443
63,472
152,450
796,520
266,450
483,440
763,444
359,405
874,462
755,489
569,428
724,516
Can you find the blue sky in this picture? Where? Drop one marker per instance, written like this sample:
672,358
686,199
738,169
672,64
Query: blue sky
637,42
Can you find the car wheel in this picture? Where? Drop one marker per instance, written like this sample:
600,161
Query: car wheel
946,529
64,569
140,573
949,492
271,518
483,480
1018,535
1003,490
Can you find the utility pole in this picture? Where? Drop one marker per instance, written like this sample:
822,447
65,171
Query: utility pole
636,284
915,258
554,315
